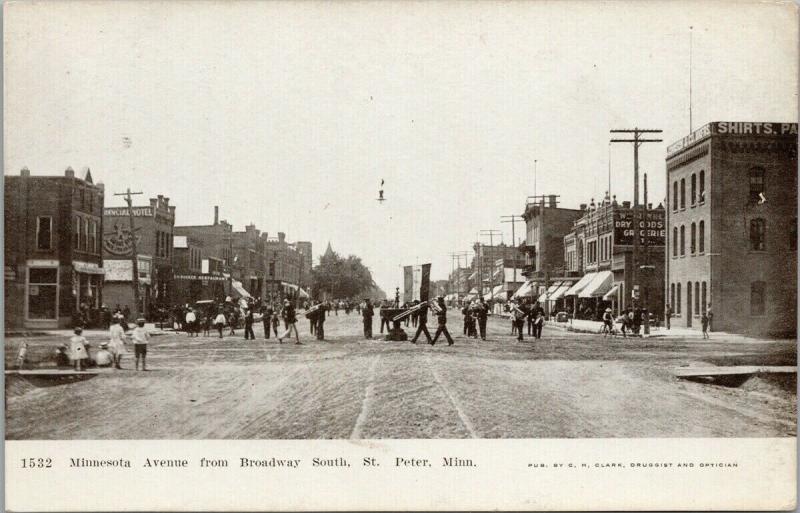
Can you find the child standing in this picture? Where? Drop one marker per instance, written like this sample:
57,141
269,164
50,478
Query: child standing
140,338
219,322
117,343
704,320
77,350
276,320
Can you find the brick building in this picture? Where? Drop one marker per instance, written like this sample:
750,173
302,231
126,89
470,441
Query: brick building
732,220
153,226
53,257
286,267
196,277
248,265
216,241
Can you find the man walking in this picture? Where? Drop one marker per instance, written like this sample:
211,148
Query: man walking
367,313
668,315
248,325
482,314
266,318
191,322
320,316
441,316
384,318
290,318
423,321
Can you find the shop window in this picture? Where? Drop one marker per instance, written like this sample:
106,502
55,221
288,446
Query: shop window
693,239
678,297
76,232
674,241
683,193
42,292
44,233
702,187
694,189
675,195
758,230
756,184
683,240
701,236
757,298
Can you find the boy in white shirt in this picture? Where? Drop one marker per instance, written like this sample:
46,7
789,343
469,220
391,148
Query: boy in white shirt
140,338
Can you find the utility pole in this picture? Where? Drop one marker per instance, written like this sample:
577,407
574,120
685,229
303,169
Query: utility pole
456,256
134,256
637,141
491,234
513,218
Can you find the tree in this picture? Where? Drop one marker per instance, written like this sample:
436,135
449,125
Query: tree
339,277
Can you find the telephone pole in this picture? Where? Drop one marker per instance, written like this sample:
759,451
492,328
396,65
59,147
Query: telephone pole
456,255
637,141
513,218
134,256
491,234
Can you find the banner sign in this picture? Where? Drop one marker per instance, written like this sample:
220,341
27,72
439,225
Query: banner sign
123,211
652,230
203,277
425,282
732,128
416,282
408,284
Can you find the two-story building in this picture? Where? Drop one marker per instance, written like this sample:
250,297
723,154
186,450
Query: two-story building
732,220
53,256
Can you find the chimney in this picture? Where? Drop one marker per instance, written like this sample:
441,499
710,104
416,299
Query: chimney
583,206
551,201
626,204
216,215
25,172
281,237
69,172
649,206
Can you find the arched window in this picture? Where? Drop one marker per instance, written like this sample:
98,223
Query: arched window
757,298
675,195
758,232
683,240
704,303
694,189
672,296
702,197
678,298
674,241
683,193
689,312
701,236
756,184
693,239
697,298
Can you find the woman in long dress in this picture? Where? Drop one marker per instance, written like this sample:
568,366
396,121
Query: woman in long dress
116,345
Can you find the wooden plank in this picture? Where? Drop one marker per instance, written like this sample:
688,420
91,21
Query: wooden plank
685,372
57,372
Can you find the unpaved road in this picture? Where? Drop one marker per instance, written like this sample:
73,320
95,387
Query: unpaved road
565,385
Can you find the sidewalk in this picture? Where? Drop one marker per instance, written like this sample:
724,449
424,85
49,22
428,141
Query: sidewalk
151,328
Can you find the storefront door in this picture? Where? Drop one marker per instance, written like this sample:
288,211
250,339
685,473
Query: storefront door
42,294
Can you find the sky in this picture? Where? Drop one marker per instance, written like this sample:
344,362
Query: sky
288,115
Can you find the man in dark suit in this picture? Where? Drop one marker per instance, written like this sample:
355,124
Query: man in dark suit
367,313
441,316
482,313
266,318
422,319
320,317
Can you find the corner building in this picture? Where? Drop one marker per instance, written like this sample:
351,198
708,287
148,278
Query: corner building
732,227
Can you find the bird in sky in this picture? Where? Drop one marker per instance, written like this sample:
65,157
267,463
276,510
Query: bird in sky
380,192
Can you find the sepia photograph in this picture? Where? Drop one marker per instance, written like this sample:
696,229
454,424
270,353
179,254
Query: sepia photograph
328,221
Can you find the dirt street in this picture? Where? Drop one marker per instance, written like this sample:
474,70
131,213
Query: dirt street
564,385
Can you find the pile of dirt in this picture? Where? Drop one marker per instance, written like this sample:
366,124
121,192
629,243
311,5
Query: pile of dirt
17,386
779,385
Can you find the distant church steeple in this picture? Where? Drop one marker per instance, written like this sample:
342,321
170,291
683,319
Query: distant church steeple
329,250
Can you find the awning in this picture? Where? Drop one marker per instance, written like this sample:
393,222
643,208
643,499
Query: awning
523,290
550,291
582,283
559,293
239,289
611,295
600,284
496,293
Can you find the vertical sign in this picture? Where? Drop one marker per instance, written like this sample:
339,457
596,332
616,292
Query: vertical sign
408,284
425,283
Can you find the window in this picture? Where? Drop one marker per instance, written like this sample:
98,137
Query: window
158,243
793,235
678,297
704,303
85,236
675,195
683,193
757,298
693,240
701,236
42,292
672,296
44,233
683,240
697,298
76,232
756,184
758,229
675,241
694,189
92,236
702,198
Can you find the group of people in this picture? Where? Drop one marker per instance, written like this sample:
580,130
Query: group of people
110,353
